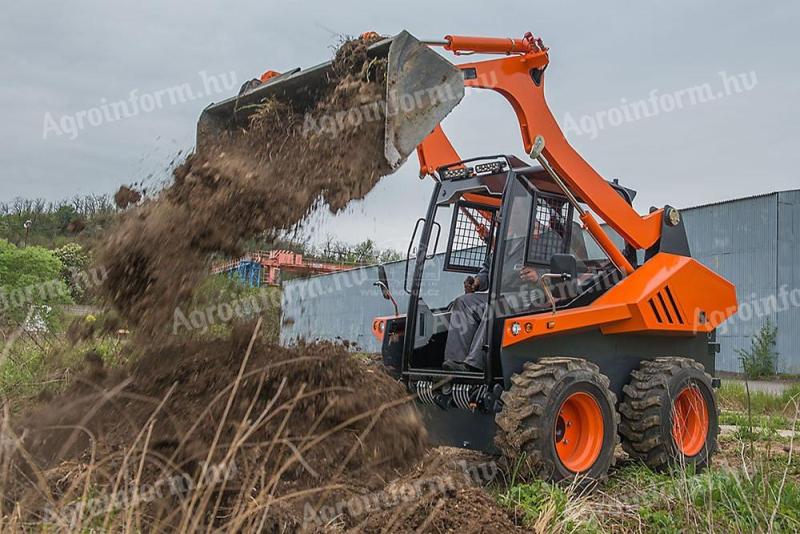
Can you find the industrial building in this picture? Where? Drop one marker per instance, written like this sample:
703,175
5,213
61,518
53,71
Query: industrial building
754,242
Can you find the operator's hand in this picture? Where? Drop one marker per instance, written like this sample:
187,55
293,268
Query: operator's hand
470,284
529,275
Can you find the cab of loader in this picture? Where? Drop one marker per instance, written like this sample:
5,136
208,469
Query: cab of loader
501,214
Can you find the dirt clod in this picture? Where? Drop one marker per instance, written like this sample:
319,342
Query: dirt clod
125,196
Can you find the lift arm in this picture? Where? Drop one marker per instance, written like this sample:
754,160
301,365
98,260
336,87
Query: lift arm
519,77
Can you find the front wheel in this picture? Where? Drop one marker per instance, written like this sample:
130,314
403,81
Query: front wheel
669,414
559,421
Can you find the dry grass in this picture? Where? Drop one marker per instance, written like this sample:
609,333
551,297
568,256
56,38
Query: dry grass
240,486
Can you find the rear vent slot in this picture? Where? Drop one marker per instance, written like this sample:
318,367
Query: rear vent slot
665,308
655,311
674,305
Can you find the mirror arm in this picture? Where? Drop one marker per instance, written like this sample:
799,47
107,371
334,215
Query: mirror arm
544,281
388,294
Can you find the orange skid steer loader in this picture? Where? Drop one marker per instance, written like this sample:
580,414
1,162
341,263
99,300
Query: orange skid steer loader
580,342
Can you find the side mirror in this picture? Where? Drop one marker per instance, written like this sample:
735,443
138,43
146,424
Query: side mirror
383,283
565,265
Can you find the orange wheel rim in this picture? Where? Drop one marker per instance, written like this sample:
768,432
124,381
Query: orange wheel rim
578,432
690,421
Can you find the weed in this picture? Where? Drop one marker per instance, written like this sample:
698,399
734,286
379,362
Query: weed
761,359
536,499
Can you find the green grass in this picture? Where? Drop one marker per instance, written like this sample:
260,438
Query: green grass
636,499
733,396
36,368
534,499
541,506
762,427
759,420
720,500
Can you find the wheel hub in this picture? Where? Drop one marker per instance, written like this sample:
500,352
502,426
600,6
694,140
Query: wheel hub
690,420
578,432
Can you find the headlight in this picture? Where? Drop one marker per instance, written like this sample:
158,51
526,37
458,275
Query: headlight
515,329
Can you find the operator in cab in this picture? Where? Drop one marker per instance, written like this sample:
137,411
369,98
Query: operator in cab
519,289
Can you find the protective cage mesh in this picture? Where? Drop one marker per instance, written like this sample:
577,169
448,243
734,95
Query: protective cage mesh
549,228
471,234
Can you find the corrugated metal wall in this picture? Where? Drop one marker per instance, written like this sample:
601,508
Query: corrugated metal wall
788,263
753,242
737,240
342,305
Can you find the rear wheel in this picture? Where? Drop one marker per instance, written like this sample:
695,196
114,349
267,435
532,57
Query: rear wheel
559,421
669,414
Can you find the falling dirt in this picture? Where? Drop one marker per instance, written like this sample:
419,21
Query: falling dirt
255,182
125,196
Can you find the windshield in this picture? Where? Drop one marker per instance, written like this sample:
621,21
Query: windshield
519,288
539,226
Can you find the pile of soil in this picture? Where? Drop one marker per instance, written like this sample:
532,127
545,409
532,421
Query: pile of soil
258,181
452,499
299,419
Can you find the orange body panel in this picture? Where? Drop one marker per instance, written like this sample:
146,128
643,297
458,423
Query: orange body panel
435,151
673,294
546,324
667,295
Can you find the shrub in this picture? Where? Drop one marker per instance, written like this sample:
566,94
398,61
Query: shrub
74,259
761,359
30,284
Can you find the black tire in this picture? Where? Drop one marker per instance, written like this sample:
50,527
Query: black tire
648,411
526,434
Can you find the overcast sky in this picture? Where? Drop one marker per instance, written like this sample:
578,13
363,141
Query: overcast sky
59,59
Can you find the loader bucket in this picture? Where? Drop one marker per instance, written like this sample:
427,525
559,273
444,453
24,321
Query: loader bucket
422,87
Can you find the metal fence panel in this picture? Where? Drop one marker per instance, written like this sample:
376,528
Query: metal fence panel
341,306
788,268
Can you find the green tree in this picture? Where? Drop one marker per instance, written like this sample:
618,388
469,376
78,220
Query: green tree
365,252
30,279
63,216
389,255
74,260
